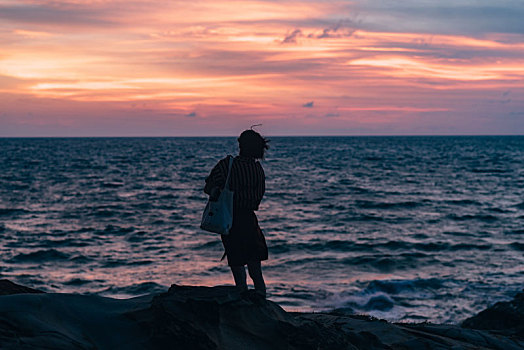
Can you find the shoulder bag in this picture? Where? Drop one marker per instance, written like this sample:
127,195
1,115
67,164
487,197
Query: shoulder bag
218,215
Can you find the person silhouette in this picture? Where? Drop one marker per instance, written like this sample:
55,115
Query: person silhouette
245,244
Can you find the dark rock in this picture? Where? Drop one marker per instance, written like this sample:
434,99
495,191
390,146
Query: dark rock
206,318
8,288
447,336
505,317
222,318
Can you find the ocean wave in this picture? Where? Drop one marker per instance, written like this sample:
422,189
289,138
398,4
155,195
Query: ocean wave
101,213
515,232
470,246
367,303
517,246
18,186
462,202
111,263
112,184
170,196
489,170
381,302
308,260
377,217
481,217
401,286
68,242
388,262
387,205
77,282
135,289
118,230
139,262
499,210
211,245
12,211
139,236
81,259
358,190
381,296
438,246
349,246
41,256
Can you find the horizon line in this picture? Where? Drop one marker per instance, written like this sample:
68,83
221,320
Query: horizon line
267,135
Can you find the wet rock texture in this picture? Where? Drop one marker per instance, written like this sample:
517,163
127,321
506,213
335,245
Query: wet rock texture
204,318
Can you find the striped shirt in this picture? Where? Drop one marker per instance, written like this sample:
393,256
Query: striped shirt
247,181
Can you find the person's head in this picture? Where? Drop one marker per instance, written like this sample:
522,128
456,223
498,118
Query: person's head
252,144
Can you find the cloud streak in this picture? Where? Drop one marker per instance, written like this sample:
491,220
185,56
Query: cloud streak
308,104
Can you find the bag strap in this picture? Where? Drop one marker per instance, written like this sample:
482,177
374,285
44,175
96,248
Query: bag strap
229,171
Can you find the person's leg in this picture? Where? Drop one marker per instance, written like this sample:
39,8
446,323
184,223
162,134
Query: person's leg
255,272
239,274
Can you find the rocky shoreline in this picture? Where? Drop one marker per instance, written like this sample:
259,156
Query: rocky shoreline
188,317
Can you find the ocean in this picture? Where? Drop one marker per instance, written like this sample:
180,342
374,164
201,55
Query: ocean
407,229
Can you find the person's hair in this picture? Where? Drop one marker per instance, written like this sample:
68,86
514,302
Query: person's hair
252,144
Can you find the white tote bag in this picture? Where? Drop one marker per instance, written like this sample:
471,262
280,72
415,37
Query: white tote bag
218,215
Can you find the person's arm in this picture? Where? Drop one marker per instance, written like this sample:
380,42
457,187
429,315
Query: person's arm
208,186
215,181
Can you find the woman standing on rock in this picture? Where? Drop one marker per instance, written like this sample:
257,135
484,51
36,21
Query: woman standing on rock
245,244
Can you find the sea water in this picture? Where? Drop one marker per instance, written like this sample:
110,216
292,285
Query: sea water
401,228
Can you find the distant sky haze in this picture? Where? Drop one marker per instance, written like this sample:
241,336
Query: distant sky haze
200,68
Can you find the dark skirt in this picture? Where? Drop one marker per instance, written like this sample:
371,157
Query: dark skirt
245,242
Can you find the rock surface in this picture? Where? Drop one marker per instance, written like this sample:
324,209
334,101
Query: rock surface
8,288
222,318
188,317
506,317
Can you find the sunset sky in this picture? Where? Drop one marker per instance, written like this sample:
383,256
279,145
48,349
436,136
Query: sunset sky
189,68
